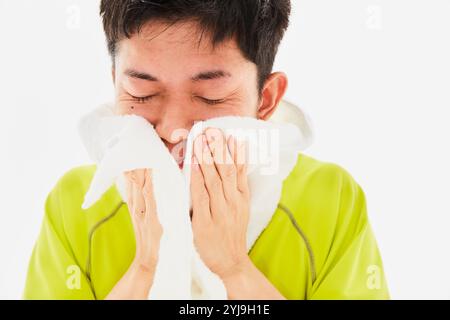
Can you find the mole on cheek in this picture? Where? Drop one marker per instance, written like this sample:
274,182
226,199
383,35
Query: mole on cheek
132,107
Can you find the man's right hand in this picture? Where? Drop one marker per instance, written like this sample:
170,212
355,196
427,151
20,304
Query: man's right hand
137,281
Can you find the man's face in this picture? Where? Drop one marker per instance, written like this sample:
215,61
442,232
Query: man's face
167,76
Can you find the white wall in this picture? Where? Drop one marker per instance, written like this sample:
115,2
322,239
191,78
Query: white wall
373,75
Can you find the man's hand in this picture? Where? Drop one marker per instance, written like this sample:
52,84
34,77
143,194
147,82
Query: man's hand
147,228
138,280
220,200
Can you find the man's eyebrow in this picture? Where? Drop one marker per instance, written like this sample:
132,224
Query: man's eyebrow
211,75
140,75
208,75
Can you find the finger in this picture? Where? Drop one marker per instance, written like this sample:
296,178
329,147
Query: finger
240,156
211,177
198,152
223,162
140,177
199,194
148,193
130,202
137,178
232,146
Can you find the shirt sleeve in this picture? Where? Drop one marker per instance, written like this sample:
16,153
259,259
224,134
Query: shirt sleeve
353,268
54,272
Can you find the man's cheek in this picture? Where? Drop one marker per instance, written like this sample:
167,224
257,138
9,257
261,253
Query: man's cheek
135,108
129,107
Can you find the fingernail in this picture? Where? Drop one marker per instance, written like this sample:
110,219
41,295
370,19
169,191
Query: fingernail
194,163
205,141
231,144
207,134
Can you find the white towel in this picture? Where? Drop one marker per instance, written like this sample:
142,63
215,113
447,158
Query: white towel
124,143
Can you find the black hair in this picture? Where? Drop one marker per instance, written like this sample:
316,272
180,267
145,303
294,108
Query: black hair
257,25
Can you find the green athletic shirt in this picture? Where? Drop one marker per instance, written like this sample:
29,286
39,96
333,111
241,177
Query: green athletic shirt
318,244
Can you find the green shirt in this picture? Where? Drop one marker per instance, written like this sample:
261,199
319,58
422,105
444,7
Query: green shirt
318,244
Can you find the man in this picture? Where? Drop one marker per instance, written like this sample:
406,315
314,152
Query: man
174,63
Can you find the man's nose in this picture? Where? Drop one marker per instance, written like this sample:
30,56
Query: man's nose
173,124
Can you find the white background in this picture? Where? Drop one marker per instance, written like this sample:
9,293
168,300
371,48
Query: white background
374,77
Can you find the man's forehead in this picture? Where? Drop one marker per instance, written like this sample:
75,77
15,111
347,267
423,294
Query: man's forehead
138,55
161,52
186,34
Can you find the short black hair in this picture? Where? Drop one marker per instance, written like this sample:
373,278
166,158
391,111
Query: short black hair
257,25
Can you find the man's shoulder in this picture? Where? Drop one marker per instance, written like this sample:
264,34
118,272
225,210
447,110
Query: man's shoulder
323,197
72,186
67,197
77,179
313,178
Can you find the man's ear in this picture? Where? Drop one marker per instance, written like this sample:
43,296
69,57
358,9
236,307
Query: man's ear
113,73
273,91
